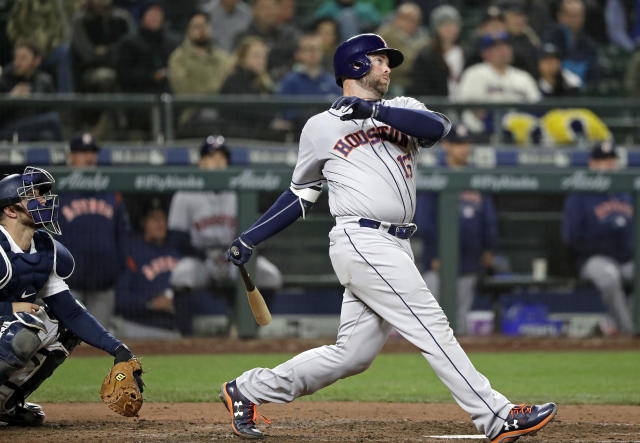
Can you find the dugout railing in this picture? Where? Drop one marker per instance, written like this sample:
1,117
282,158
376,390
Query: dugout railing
620,114
248,183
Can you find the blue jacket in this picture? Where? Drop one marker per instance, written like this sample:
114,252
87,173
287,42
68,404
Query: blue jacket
599,224
478,227
298,82
147,272
94,228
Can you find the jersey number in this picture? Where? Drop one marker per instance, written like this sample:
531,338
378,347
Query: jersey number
405,162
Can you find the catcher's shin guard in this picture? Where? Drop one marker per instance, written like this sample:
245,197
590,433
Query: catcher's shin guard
48,361
18,343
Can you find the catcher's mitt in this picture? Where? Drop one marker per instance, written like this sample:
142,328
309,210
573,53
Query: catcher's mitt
122,388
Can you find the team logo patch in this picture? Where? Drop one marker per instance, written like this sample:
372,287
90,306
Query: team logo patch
120,376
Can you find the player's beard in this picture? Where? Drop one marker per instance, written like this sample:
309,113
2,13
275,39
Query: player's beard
375,84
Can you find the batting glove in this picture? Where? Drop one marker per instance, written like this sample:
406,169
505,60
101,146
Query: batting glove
356,108
239,252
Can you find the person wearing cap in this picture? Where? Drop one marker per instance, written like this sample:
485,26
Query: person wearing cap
438,66
477,225
494,80
95,228
553,79
201,225
144,298
598,229
524,40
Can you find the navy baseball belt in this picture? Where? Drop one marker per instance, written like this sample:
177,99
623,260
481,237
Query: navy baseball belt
401,231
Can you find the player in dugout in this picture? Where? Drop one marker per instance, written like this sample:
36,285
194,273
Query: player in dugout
40,320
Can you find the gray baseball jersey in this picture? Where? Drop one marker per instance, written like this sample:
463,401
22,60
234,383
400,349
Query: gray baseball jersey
366,163
209,217
370,174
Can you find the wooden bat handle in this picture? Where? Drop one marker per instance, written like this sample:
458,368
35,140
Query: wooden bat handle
256,301
248,283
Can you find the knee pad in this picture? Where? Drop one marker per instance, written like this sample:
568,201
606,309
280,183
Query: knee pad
18,344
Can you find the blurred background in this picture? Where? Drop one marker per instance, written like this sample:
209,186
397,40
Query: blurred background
169,125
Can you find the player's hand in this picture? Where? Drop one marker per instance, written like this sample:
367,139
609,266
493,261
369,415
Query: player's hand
239,252
124,354
354,108
30,308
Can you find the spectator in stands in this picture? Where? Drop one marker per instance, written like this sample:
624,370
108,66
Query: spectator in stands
577,49
95,228
249,75
405,32
539,15
477,226
48,24
598,228
307,78
143,58
6,48
553,79
98,30
494,80
198,66
524,40
144,298
492,23
286,12
228,19
327,29
21,79
178,13
202,225
623,23
438,66
281,39
353,17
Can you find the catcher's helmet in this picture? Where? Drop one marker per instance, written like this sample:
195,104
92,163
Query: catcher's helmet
41,205
351,61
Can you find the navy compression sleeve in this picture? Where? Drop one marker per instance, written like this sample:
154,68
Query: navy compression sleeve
286,209
425,125
75,317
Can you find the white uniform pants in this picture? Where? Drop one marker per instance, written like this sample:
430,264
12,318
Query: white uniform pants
466,287
383,289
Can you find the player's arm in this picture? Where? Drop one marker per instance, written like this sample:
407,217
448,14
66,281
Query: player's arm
75,317
306,187
425,125
291,204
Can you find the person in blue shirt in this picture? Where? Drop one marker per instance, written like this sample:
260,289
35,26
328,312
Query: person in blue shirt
477,224
598,228
40,320
144,298
308,77
95,227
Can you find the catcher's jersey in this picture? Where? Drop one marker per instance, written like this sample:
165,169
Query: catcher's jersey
33,274
208,217
368,166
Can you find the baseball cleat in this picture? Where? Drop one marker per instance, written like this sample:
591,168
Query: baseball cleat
25,414
525,420
243,412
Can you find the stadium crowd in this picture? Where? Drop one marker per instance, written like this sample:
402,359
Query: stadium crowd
490,51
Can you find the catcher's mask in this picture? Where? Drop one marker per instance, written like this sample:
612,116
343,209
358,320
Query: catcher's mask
34,185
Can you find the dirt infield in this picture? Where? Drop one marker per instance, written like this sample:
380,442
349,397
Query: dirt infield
394,344
313,421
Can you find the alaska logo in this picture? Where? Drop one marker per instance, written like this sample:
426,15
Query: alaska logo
374,135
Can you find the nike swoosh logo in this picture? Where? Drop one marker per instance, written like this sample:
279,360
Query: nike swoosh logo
25,295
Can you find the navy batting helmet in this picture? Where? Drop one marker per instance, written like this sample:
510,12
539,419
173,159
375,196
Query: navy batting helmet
351,61
34,185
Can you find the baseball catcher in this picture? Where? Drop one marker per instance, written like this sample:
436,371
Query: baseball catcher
40,321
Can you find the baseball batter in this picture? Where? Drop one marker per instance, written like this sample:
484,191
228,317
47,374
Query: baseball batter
364,148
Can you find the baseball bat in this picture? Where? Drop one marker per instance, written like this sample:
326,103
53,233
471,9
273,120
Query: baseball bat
256,301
